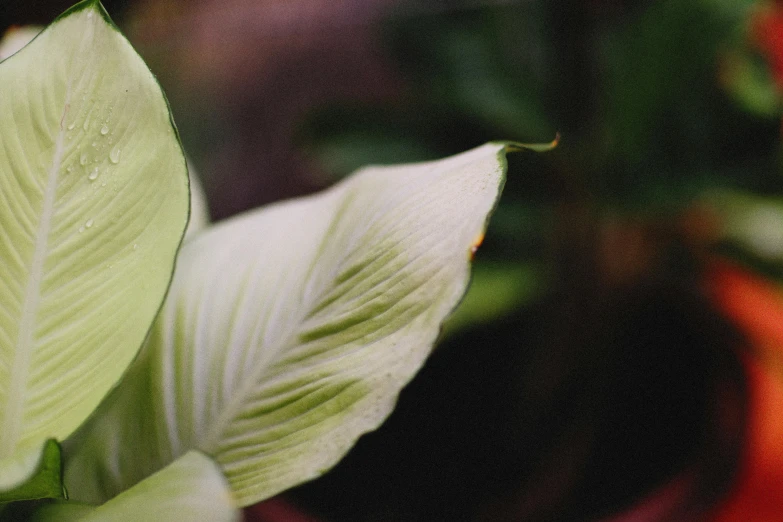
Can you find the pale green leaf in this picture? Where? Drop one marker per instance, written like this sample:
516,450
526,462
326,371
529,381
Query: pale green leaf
32,473
288,332
191,489
93,205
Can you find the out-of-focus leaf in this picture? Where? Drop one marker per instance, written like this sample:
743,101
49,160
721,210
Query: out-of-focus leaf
752,222
343,153
190,489
665,113
32,474
750,83
495,291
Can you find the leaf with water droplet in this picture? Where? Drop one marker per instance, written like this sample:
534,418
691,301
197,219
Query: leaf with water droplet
93,175
104,130
114,155
56,79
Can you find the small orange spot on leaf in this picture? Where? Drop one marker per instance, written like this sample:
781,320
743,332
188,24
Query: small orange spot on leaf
476,244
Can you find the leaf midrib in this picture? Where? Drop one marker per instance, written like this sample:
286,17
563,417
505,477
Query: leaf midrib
211,440
11,420
10,428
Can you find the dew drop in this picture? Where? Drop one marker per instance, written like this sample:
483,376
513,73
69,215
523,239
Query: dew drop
72,125
89,223
104,130
93,175
83,159
81,229
114,155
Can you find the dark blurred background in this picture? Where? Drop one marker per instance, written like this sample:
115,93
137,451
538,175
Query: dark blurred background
588,374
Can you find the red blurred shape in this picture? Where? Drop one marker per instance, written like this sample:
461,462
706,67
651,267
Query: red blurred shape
276,510
756,308
767,33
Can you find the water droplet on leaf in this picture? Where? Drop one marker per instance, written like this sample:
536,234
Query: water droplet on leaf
114,155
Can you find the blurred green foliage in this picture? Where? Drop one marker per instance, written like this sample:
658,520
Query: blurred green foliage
659,104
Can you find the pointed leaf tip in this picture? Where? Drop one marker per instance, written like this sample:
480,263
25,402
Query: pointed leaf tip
536,147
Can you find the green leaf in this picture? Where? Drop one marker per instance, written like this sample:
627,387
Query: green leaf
63,512
496,290
32,474
289,331
191,489
93,205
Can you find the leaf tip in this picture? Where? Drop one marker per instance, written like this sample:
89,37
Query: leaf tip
87,5
512,146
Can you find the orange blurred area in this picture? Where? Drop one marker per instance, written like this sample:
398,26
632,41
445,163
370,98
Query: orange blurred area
756,307
767,32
